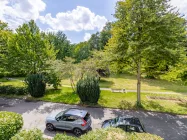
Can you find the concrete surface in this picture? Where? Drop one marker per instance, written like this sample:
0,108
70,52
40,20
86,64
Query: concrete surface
34,113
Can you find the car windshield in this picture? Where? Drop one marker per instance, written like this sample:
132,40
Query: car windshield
115,120
59,114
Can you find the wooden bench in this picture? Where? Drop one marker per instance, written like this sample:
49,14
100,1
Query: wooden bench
118,90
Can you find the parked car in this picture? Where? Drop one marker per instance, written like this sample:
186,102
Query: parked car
128,124
73,119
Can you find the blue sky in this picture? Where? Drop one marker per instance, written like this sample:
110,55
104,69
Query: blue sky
78,19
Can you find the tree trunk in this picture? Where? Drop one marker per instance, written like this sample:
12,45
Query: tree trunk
139,83
72,84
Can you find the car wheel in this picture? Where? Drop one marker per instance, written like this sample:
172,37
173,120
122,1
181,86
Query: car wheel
50,127
77,132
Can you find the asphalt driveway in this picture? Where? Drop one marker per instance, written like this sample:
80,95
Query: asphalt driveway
34,113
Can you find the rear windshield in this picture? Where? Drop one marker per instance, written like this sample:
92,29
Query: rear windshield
87,117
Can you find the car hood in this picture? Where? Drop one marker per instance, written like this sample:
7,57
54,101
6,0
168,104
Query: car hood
107,123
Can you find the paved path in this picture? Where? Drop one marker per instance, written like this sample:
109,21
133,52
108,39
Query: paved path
34,114
143,91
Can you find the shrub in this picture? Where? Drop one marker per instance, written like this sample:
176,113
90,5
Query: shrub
125,105
10,124
88,90
64,137
34,134
13,90
110,134
36,85
52,79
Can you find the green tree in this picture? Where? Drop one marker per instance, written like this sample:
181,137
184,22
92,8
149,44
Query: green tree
65,69
61,44
5,35
146,30
81,51
105,35
93,42
29,50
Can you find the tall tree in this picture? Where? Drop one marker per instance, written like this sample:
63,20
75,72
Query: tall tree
105,35
146,30
28,50
5,35
61,44
81,51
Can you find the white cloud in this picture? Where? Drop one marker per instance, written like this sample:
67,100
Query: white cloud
78,19
87,36
181,5
15,12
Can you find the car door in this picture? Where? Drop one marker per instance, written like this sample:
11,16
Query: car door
61,124
71,122
130,128
123,127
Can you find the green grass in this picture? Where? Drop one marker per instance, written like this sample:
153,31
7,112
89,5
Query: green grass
114,100
129,82
15,82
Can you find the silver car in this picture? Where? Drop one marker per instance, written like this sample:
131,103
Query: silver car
73,119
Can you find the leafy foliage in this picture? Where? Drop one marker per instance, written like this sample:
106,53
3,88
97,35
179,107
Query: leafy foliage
110,134
29,50
61,44
64,137
148,36
88,90
10,124
11,90
36,85
53,79
34,134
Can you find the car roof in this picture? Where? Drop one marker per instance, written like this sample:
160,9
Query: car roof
126,121
76,112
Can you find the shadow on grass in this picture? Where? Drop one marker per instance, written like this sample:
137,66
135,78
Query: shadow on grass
105,83
166,85
183,105
61,96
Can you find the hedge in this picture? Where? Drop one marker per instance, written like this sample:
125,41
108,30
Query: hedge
34,134
10,124
110,134
10,90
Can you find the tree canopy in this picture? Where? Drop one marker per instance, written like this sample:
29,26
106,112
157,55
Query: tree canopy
146,34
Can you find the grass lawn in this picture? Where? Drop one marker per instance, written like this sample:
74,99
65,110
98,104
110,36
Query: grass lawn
129,82
14,82
114,100
125,81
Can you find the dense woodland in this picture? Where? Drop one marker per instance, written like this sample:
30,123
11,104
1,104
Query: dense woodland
147,39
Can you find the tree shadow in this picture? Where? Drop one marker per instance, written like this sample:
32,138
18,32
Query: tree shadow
106,84
166,85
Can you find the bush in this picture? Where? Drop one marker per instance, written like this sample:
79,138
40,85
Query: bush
110,134
10,124
13,90
125,105
36,85
88,90
34,134
64,137
52,79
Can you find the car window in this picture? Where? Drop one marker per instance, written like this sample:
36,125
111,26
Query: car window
131,128
137,121
69,118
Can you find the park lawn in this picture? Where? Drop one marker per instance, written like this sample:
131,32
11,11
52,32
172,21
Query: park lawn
126,81
17,82
129,82
114,100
